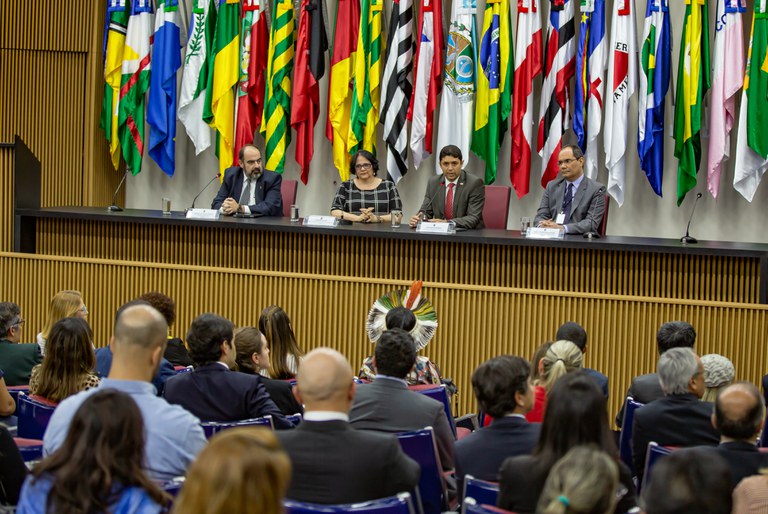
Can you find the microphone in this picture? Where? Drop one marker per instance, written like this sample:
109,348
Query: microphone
687,239
203,189
114,207
592,234
430,200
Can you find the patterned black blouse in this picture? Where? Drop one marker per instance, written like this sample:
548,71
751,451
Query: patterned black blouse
349,198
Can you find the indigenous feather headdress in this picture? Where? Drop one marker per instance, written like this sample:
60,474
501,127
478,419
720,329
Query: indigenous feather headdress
426,318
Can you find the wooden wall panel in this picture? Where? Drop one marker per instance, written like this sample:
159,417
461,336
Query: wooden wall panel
6,198
46,26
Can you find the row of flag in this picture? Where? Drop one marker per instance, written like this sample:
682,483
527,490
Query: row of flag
240,76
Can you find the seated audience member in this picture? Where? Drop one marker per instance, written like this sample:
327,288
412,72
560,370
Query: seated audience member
576,415
7,403
173,435
718,374
572,202
561,358
64,304
504,392
285,354
248,188
253,356
98,467
646,388
68,362
12,469
413,313
455,195
386,405
575,333
16,360
242,470
751,495
583,481
365,198
213,392
678,419
693,481
175,351
332,462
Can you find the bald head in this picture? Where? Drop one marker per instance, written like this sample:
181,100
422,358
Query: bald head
739,411
324,381
140,326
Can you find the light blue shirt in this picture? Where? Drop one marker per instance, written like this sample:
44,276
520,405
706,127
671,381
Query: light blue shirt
173,436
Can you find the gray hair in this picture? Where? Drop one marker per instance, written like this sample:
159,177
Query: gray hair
676,368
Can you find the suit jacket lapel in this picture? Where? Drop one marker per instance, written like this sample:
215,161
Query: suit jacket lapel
238,185
458,195
577,198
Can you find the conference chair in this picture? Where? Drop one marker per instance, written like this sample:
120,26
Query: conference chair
420,446
654,454
481,490
14,392
625,437
30,449
402,503
288,192
34,414
295,419
439,393
173,486
496,206
213,427
472,506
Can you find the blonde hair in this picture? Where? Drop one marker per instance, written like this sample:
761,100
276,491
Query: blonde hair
64,304
240,470
561,358
584,481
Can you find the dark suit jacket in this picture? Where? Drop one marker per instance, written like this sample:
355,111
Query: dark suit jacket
675,420
281,393
765,388
598,377
104,364
643,389
743,458
468,200
389,406
587,209
213,393
334,463
482,452
12,469
269,198
176,353
17,361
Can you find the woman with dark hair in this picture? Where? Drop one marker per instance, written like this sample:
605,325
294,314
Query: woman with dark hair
275,324
576,414
365,198
98,468
68,364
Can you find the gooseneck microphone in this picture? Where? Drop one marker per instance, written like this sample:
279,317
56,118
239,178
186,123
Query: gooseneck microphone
430,200
203,189
113,207
687,239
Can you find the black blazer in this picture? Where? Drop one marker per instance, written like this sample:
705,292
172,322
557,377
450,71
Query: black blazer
333,463
269,198
12,469
598,377
213,393
675,420
176,353
643,389
744,459
281,393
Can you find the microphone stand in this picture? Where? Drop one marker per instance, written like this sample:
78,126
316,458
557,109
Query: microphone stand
687,238
113,207
201,191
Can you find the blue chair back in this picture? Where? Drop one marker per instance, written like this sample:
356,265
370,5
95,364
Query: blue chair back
420,446
655,453
399,504
440,393
472,506
481,490
625,437
30,449
295,419
33,417
14,392
173,486
213,427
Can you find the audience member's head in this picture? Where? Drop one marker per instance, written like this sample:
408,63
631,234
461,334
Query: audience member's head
584,481
138,342
561,358
163,303
395,353
101,455
64,304
400,317
689,481
252,350
681,372
275,324
502,386
11,322
536,361
718,373
573,332
69,356
675,334
209,339
240,470
324,381
739,412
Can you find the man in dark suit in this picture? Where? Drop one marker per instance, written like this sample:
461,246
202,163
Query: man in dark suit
213,392
16,360
646,388
386,405
504,391
582,209
332,462
678,419
575,333
455,195
247,189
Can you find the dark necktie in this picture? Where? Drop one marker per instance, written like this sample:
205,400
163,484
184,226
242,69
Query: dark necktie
449,202
245,198
567,200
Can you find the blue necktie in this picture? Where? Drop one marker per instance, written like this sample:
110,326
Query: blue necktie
567,200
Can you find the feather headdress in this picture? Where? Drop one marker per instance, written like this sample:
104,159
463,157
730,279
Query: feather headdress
426,318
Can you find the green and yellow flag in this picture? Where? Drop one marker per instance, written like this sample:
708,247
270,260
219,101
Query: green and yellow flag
113,72
757,78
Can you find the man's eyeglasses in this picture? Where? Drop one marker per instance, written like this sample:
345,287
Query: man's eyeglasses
566,162
19,322
84,310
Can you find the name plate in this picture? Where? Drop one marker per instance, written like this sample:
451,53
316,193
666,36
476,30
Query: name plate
203,214
426,227
545,233
321,221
